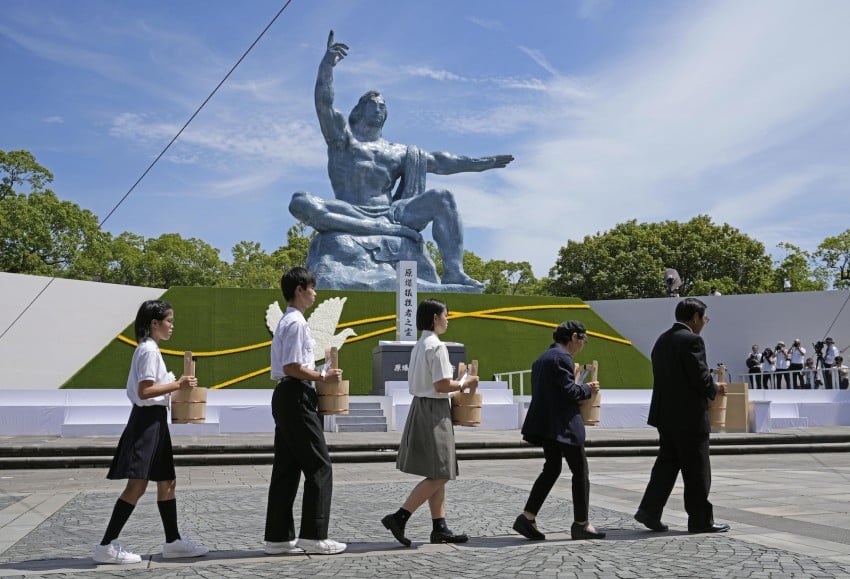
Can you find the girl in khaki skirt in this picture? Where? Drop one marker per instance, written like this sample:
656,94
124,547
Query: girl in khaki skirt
428,443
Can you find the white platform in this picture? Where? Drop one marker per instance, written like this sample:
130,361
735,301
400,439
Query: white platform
105,412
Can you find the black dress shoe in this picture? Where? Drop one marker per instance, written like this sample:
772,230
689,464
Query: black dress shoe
579,532
650,522
396,527
527,529
712,528
447,536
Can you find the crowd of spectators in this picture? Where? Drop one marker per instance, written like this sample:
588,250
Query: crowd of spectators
791,368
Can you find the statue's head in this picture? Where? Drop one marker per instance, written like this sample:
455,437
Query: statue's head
370,109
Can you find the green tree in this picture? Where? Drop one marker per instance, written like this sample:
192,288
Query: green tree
834,256
41,235
251,268
725,285
799,269
20,168
629,260
509,278
294,253
169,260
126,257
496,275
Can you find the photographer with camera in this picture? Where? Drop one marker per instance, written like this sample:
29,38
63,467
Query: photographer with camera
797,358
783,363
829,355
754,366
768,366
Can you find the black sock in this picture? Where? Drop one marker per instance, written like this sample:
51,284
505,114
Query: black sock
440,524
168,514
120,513
403,514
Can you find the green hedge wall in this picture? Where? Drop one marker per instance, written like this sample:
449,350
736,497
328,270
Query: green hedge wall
209,320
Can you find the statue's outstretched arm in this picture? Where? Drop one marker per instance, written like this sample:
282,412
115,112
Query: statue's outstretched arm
331,121
447,163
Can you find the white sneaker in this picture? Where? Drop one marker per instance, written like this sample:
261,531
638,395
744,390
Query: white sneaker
115,554
322,546
283,547
183,548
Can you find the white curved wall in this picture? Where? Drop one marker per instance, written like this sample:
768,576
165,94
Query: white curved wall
63,329
738,322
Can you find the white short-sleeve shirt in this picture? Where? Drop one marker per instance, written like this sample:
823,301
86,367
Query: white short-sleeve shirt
830,354
798,355
291,344
148,364
429,363
782,361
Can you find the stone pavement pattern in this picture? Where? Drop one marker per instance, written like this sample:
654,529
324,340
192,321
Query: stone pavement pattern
789,517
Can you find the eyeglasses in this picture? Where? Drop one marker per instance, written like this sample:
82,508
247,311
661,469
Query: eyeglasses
582,337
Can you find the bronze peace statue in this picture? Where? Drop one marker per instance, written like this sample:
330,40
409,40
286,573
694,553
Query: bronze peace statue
380,203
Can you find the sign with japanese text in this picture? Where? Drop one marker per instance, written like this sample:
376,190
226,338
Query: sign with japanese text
406,301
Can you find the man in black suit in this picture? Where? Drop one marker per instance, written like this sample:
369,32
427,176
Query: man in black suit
682,386
554,422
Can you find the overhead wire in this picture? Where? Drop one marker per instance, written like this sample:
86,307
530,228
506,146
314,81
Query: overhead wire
158,157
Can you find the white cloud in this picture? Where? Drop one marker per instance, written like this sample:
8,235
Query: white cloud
541,60
487,23
431,73
681,121
258,140
531,84
54,120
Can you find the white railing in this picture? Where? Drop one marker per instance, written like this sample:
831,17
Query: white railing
501,377
807,379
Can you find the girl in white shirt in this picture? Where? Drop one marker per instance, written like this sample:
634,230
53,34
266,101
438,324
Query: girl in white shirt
144,451
427,445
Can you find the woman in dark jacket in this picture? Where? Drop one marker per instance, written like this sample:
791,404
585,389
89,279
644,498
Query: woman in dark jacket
554,422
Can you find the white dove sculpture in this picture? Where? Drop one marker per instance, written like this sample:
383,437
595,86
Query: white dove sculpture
322,323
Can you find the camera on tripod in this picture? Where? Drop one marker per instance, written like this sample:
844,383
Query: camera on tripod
818,348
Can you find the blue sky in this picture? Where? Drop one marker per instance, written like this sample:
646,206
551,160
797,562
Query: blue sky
614,110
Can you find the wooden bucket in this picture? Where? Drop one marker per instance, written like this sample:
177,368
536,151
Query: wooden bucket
717,407
466,406
466,409
717,412
189,406
333,398
591,408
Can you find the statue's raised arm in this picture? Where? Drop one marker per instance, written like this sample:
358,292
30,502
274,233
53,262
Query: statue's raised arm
331,121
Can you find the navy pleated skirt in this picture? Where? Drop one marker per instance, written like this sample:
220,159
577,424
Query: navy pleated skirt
144,451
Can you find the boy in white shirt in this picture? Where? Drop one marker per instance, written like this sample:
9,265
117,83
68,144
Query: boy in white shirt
299,438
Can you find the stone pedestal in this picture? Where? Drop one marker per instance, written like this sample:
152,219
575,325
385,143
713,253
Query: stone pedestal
390,361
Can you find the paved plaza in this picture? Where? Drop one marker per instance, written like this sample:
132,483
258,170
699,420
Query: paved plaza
789,517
